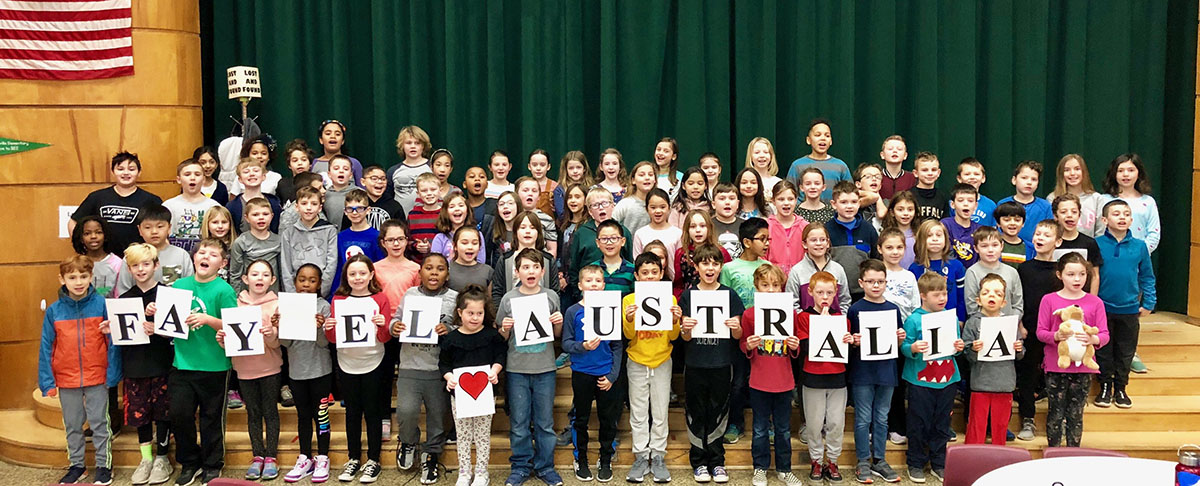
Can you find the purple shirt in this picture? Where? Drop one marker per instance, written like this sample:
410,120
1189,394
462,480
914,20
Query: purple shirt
962,241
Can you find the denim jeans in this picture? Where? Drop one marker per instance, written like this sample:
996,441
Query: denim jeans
871,406
772,410
531,397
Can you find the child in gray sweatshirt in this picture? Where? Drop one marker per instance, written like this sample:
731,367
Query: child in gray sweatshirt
992,382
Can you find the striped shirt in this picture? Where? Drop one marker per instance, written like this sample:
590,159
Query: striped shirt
622,279
422,223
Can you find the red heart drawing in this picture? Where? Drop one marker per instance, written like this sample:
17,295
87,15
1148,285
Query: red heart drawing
473,383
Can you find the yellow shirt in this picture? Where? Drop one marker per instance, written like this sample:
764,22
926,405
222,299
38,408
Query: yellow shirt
648,348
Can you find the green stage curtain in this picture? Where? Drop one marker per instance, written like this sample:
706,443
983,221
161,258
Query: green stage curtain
1001,81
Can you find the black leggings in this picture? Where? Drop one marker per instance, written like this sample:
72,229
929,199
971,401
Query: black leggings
363,398
261,396
312,406
146,435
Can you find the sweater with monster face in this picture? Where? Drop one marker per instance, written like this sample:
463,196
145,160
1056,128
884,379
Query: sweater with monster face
937,373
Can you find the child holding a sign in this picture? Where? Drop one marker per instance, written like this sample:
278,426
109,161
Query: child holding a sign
929,368
473,342
650,336
528,317
201,368
77,363
872,371
771,381
595,366
259,375
711,328
992,356
310,372
426,312
824,336
359,327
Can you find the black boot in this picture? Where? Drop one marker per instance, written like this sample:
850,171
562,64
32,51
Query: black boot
1105,398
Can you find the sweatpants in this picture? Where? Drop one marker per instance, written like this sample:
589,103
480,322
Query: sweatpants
707,410
261,396
997,406
313,400
608,412
363,399
203,391
928,425
89,403
1115,357
431,393
825,418
1067,393
1030,377
477,432
649,394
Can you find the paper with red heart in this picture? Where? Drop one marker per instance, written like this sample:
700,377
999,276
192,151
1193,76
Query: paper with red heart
473,397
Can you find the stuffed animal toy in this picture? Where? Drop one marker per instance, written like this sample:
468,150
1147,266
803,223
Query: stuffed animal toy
1071,350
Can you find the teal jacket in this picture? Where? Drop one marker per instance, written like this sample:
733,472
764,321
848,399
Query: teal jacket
938,373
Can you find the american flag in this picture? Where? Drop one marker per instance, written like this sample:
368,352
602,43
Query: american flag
65,39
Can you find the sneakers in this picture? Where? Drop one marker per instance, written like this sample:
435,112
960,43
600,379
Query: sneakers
802,435
464,479
233,400
370,472
562,361
551,478
162,470
387,430
701,475
141,475
791,479
604,472
1121,399
637,472
884,470
429,468
255,470
1105,397
1137,366
270,469
481,477
515,478
719,474
658,468
186,476
831,472
760,478
733,434
815,474
349,471
208,475
897,439
303,469
1028,429
563,438
1009,436
582,472
285,397
916,475
938,473
452,437
862,473
103,476
321,473
73,475
951,435
406,456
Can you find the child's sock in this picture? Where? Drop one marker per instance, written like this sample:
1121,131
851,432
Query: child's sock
147,455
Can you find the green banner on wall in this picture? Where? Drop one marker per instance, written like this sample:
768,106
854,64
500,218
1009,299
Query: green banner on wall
14,146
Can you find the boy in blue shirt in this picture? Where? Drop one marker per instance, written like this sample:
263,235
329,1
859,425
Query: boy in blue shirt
1025,180
360,237
1125,275
872,382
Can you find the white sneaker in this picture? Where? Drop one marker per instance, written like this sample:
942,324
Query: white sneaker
162,470
897,439
303,469
481,477
464,479
791,479
760,478
141,475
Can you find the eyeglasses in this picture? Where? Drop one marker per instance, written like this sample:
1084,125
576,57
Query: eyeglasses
608,240
872,177
355,209
600,204
393,241
763,239
874,282
377,179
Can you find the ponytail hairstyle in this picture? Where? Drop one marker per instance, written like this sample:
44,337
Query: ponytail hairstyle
474,293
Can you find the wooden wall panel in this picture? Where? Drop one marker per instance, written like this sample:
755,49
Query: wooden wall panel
167,15
24,312
166,67
19,362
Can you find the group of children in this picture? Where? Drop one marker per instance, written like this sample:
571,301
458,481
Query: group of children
878,239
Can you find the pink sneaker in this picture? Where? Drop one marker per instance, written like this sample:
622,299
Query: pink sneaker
321,472
303,469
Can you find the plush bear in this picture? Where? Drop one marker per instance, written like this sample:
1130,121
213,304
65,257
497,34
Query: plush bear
1070,349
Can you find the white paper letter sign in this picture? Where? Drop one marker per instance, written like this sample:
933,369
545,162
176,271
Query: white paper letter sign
774,315
710,308
421,315
353,328
125,318
825,335
531,320
653,301
998,334
939,329
173,306
602,315
297,316
473,397
243,331
878,331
